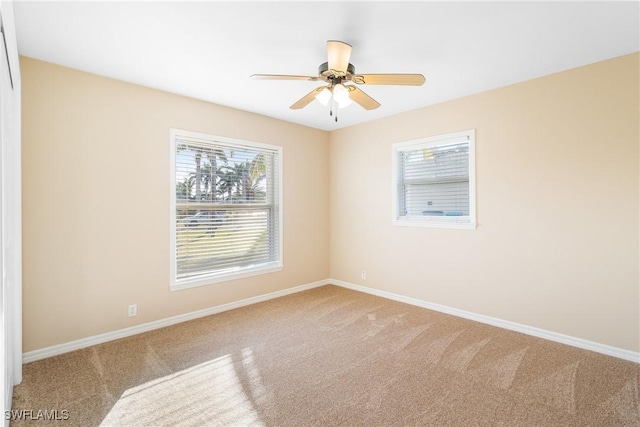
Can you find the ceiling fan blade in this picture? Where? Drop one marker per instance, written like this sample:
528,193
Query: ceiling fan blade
365,101
282,77
305,100
389,79
338,54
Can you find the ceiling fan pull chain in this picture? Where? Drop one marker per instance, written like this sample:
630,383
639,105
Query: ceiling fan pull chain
333,103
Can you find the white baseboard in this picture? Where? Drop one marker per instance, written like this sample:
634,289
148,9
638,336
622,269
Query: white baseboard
55,350
631,356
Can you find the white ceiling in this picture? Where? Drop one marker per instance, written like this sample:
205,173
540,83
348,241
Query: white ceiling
208,50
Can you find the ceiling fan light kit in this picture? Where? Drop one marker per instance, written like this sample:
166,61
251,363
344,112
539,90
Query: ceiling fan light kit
341,78
338,93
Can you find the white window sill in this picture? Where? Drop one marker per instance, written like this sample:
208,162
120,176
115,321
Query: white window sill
225,276
435,224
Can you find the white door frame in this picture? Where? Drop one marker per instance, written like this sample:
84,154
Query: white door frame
10,207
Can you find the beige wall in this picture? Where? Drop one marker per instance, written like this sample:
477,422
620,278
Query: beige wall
96,203
557,204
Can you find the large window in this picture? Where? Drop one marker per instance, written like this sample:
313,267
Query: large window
225,209
433,181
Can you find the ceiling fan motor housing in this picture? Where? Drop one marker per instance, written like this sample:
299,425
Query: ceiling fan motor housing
323,70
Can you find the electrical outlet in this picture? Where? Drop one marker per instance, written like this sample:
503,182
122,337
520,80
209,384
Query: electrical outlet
133,310
363,275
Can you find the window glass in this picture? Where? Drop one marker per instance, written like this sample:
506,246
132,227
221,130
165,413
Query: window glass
226,210
434,181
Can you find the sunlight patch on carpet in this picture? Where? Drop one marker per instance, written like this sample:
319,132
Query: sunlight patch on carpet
222,391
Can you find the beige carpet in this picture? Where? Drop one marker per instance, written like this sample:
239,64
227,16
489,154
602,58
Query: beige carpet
331,356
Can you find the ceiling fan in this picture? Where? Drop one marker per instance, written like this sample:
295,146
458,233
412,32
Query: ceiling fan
339,76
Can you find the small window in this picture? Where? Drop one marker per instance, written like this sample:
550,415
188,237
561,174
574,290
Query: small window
434,183
225,209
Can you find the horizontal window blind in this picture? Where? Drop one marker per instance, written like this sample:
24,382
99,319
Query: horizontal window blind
433,180
226,207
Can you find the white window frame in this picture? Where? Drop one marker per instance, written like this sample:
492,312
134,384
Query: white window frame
241,272
465,222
